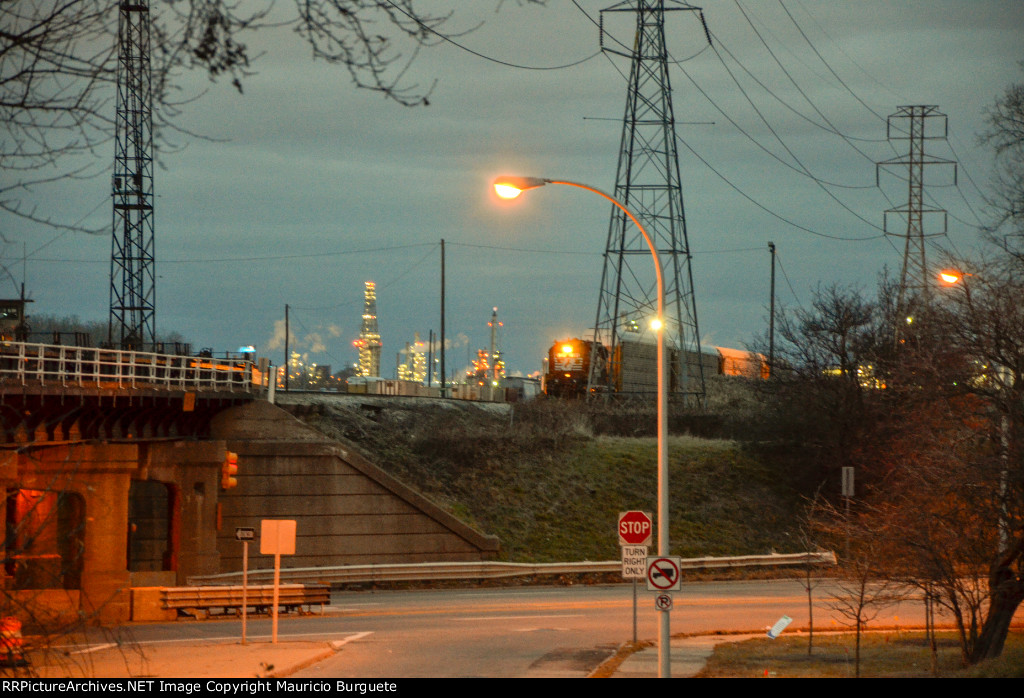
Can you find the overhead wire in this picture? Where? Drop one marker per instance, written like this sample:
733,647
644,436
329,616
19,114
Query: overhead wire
831,127
753,140
782,268
492,59
828,66
850,90
793,155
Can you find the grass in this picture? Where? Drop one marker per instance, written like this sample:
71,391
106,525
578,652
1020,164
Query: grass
552,491
883,655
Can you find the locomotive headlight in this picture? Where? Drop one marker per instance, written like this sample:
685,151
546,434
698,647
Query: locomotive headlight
567,349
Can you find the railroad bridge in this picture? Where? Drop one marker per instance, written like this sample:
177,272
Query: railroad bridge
111,461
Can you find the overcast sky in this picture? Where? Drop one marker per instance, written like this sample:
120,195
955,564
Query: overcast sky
312,187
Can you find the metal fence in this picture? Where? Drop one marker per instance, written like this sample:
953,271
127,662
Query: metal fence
48,364
439,571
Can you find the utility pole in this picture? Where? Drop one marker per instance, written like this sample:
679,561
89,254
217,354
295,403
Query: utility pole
771,316
647,182
444,376
132,261
910,123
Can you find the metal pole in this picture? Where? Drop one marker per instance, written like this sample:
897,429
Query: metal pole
664,629
286,357
245,585
771,316
444,377
634,612
277,590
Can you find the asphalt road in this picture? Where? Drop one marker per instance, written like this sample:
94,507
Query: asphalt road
548,631
513,631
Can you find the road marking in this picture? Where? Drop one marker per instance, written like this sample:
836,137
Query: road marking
217,638
95,648
558,615
338,644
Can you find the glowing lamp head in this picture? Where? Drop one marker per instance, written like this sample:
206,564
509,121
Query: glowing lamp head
508,187
656,324
950,277
507,191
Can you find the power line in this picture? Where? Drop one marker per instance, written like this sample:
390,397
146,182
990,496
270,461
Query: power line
768,210
451,41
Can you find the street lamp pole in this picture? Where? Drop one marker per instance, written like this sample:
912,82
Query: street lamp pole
509,188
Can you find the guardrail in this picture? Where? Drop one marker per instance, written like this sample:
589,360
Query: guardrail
441,571
51,364
201,601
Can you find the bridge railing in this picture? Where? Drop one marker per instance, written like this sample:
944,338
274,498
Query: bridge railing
49,364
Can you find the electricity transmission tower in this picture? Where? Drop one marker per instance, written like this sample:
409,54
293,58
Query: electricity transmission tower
911,124
132,265
647,181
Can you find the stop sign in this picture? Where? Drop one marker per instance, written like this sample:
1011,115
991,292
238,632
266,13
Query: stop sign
635,528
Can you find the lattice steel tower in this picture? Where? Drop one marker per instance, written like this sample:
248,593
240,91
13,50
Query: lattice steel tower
647,181
910,124
132,265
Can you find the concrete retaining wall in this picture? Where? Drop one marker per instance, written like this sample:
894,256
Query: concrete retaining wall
348,511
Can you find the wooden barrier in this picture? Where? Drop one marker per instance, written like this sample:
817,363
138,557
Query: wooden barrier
203,601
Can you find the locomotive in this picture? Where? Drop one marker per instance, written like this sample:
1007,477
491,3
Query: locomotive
633,368
569,364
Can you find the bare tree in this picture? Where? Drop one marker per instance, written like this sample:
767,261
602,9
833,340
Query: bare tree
1006,202
862,592
58,63
985,321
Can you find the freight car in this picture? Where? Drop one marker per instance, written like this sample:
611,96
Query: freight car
633,368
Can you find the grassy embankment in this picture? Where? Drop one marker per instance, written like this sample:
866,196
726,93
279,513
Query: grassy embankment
551,490
893,655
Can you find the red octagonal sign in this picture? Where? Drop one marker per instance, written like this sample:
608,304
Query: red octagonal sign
635,528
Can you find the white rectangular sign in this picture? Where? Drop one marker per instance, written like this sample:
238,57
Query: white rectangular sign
634,562
277,537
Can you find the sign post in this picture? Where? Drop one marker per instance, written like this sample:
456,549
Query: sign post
245,535
277,538
634,536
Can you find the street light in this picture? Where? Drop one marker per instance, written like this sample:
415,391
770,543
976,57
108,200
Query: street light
952,277
508,187
955,277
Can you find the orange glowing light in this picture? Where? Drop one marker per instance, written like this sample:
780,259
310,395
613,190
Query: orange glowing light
950,277
507,191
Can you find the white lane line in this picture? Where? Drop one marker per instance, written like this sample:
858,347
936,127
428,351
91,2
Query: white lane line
218,638
558,615
95,648
338,644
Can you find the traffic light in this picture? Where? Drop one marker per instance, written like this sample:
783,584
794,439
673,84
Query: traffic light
228,471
